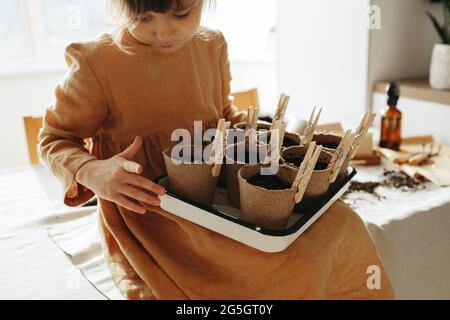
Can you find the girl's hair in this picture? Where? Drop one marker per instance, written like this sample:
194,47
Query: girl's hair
125,14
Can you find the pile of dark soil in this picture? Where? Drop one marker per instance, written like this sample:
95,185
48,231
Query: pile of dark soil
390,179
400,180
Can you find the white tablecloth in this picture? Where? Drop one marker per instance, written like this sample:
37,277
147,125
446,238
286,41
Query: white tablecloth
52,252
411,230
33,265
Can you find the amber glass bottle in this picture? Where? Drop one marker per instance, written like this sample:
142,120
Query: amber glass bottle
391,120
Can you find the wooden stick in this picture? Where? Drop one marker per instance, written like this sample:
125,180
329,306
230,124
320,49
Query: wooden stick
310,165
302,168
249,117
336,155
252,117
316,120
284,108
255,119
361,132
275,149
311,126
279,107
363,121
218,147
342,151
219,130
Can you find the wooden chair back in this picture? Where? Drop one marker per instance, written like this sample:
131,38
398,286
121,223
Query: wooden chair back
243,100
32,127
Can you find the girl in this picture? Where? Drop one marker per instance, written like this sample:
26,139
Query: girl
127,91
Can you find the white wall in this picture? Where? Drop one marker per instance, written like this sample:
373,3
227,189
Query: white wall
402,48
328,56
263,76
323,55
20,96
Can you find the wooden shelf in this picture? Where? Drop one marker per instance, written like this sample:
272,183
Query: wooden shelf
418,89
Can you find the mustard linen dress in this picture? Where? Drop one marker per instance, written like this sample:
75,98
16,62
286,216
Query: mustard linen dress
112,97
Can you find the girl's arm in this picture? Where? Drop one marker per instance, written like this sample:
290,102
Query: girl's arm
230,112
78,113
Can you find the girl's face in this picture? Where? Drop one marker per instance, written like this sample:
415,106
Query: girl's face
167,32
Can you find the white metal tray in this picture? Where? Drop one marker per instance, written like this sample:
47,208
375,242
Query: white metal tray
226,220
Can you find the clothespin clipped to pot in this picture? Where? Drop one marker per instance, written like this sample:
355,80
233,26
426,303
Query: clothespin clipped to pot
280,105
311,126
281,109
275,145
252,118
218,147
361,132
306,170
252,123
340,155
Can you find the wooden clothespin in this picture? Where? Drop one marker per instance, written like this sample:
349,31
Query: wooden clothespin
280,105
306,170
281,109
252,118
278,130
361,132
218,147
285,106
311,125
340,155
252,123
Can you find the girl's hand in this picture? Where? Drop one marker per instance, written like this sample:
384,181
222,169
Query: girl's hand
118,180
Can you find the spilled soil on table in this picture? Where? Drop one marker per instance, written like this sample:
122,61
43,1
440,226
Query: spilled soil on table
390,179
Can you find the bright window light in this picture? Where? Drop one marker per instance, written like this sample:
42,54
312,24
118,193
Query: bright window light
36,31
11,30
248,25
76,20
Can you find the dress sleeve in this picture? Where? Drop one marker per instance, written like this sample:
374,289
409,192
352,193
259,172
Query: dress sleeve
230,112
77,113
357,272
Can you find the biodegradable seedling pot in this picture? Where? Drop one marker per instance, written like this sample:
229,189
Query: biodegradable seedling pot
330,143
192,179
290,139
319,182
260,203
234,161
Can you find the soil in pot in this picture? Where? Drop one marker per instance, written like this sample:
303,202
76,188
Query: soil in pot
327,140
298,160
290,139
269,182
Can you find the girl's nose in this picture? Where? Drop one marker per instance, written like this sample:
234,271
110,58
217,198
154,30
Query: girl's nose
163,32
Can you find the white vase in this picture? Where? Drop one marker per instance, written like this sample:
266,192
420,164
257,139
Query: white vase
440,67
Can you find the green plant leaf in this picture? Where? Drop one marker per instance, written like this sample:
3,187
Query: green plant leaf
437,26
447,19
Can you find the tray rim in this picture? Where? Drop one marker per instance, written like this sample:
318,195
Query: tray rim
306,216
